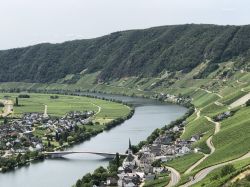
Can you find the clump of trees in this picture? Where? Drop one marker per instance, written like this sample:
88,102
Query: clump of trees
19,160
248,102
227,169
243,182
75,135
54,97
157,49
23,96
17,102
118,121
156,163
101,174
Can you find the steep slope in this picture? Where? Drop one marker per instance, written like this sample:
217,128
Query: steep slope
129,53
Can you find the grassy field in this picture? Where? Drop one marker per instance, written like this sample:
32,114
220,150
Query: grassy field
62,105
202,142
230,142
181,164
233,139
212,109
233,96
214,179
199,126
205,99
161,181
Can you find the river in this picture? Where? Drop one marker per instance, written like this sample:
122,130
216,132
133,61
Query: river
64,172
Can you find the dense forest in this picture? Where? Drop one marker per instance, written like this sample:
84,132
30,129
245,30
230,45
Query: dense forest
129,53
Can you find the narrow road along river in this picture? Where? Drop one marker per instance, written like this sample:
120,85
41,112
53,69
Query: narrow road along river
64,172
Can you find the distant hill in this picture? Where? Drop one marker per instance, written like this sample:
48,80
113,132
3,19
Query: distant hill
129,53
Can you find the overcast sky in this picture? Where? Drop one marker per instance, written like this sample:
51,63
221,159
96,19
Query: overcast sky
27,22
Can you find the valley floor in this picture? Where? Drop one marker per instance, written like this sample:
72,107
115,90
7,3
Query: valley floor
221,117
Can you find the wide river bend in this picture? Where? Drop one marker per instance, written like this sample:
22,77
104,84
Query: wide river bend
149,115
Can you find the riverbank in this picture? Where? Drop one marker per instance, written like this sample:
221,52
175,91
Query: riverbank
70,168
18,160
112,172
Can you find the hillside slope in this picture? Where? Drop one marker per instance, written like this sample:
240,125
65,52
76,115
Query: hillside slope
129,53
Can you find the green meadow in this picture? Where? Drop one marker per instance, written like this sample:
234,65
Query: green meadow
181,164
233,139
197,127
105,110
214,179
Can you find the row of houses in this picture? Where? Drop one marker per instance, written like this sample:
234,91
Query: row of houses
140,167
172,98
16,138
18,134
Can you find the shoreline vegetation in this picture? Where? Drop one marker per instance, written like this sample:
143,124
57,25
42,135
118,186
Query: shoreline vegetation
102,174
7,164
28,157
198,112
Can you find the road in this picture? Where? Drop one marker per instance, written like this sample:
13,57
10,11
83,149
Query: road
175,176
196,164
240,101
8,107
203,173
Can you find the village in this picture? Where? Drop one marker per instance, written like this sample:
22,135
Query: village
146,164
21,135
172,98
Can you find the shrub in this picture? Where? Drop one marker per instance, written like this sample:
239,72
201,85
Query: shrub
248,177
156,163
24,96
227,169
54,97
248,102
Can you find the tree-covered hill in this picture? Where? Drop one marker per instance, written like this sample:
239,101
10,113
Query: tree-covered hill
129,53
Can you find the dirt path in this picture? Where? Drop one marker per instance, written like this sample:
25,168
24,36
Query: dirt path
198,113
218,103
220,96
238,81
240,101
99,108
242,89
217,124
174,174
206,90
209,144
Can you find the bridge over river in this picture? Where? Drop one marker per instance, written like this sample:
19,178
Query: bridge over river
149,115
58,154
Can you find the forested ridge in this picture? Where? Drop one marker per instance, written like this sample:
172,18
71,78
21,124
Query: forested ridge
129,53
